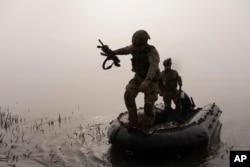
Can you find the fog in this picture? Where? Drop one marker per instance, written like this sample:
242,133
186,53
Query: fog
49,62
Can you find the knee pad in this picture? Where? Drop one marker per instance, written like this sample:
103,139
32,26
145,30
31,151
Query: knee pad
127,95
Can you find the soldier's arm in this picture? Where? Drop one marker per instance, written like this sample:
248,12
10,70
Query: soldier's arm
123,51
154,60
160,80
160,85
179,80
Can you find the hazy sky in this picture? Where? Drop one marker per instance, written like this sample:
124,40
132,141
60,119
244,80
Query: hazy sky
49,59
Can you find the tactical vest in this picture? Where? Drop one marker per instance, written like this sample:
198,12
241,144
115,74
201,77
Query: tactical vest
140,61
169,79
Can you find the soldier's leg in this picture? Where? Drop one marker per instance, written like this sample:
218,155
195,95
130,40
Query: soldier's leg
167,101
150,99
178,108
129,97
177,102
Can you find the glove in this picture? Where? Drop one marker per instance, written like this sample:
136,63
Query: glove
144,85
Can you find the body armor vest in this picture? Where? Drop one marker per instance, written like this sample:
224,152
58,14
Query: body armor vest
140,61
169,79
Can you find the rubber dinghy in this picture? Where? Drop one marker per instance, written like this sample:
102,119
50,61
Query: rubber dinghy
168,135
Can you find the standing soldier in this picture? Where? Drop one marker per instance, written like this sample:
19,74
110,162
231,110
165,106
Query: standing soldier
169,79
145,64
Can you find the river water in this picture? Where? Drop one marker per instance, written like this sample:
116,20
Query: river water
78,138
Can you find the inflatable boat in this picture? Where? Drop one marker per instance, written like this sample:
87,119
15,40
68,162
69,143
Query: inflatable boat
169,136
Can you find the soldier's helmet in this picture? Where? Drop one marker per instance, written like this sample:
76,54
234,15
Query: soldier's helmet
167,62
140,37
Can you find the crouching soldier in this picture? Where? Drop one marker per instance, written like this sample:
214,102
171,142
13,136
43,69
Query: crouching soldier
145,65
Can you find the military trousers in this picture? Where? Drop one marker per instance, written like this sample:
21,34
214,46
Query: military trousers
150,97
168,96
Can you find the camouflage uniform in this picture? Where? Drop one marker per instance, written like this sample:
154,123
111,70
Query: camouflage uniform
168,85
145,64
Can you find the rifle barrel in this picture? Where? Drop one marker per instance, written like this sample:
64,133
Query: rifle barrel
100,42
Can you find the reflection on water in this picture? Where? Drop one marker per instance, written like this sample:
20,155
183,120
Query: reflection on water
79,141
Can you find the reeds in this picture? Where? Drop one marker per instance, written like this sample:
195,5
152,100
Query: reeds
18,140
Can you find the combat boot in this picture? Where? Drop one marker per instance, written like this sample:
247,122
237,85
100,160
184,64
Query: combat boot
149,117
167,114
178,117
133,120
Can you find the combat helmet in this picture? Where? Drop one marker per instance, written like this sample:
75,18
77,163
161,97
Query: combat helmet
140,37
167,62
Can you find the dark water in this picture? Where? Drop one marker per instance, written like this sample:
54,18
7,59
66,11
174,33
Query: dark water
77,140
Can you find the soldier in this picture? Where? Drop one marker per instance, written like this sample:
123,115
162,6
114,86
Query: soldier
145,64
169,79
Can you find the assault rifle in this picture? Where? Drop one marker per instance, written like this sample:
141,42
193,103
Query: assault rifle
110,55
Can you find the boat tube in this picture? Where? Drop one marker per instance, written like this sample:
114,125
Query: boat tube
168,137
